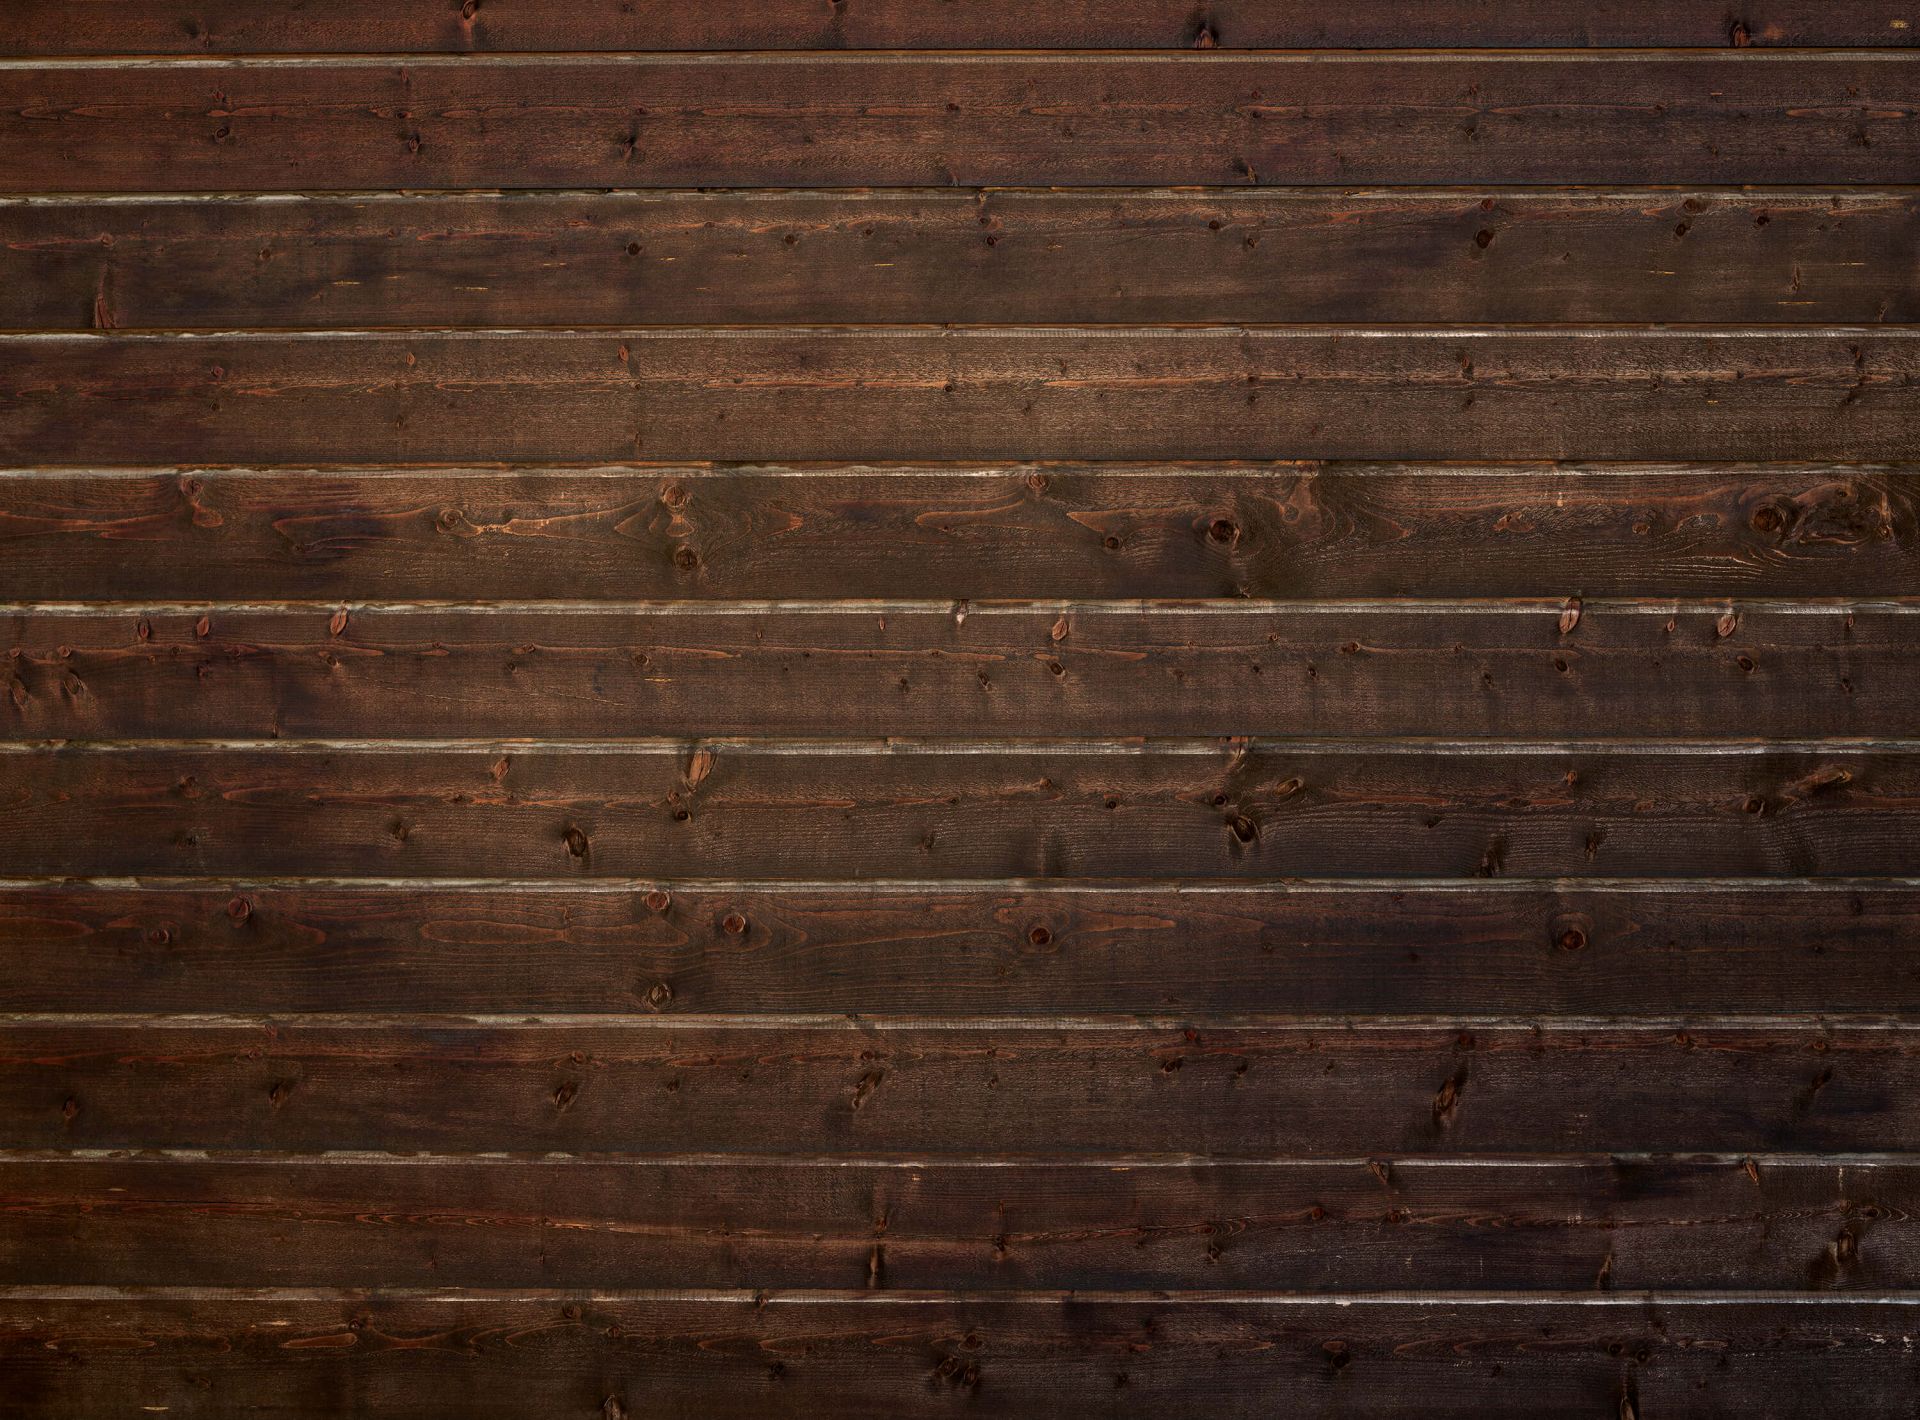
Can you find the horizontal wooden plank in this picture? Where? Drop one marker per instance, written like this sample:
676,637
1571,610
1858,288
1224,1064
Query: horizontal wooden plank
1275,1226
1271,530
368,26
657,1085
926,120
1560,670
925,950
908,393
810,811
745,1355
1794,256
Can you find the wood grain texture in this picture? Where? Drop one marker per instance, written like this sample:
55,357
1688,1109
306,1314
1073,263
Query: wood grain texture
313,1353
1556,670
867,1087
887,393
503,26
1052,530
921,120
1274,1226
1576,949
811,811
1791,256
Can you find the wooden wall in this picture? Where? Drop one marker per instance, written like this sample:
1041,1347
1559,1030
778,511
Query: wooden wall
894,708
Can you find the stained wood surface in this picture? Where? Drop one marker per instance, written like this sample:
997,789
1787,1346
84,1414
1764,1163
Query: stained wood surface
932,950
366,26
918,120
737,1354
971,393
1791,256
807,811
1561,670
871,1087
1780,1222
1294,530
868,708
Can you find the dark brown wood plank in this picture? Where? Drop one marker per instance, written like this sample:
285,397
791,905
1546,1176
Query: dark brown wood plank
693,1355
1559,670
1053,530
1825,256
963,394
369,26
657,1085
1275,1226
922,120
1570,949
852,810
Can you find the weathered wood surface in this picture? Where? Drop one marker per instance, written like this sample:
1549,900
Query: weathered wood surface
1199,710
869,392
1791,256
1774,1223
1577,949
1298,530
927,120
744,1354
803,810
503,26
1555,670
868,1087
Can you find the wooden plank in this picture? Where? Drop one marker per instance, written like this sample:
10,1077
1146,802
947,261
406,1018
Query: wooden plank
697,1355
1272,1226
926,120
851,810
1054,530
662,1085
1590,948
1561,670
1795,256
962,394
504,26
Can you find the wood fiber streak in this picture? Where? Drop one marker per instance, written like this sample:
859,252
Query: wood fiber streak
1573,949
1557,671
731,258
960,121
869,1088
881,393
1269,530
503,26
1235,810
741,1356
1271,1226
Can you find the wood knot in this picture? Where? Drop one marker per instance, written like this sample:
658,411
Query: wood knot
658,900
733,922
1040,936
1223,530
239,910
658,995
576,842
